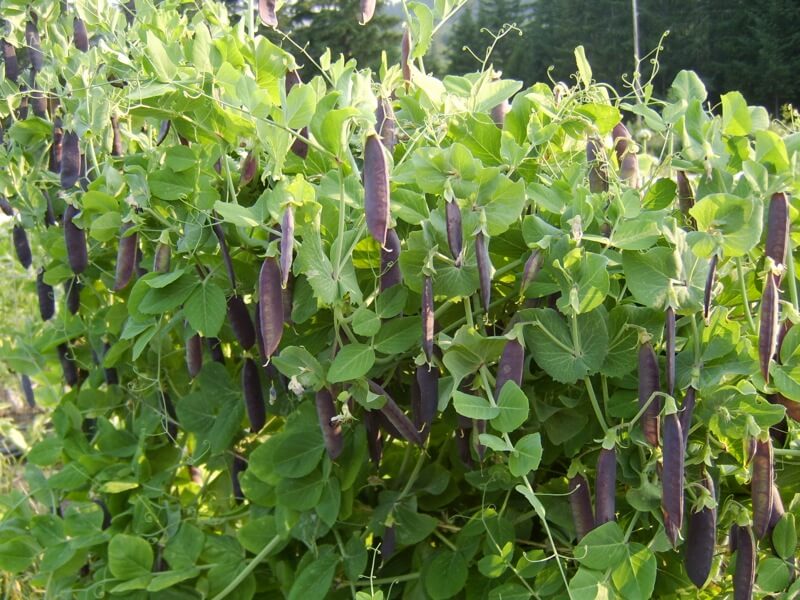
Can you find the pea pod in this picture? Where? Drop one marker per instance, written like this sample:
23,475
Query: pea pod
33,42
511,365
72,291
215,348
463,444
216,227
6,207
270,305
405,56
163,131
499,112
374,437
581,505
67,364
238,467
21,246
687,410
38,103
532,267
331,428
376,189
598,169
116,138
70,159
712,273
287,244
669,336
390,262
10,61
701,539
126,257
56,147
80,37
75,240
47,303
761,487
396,416
605,487
110,373
427,317
768,327
428,383
648,384
628,163
249,169
241,323
686,197
266,11
367,11
385,123
253,396
454,234
484,270
27,390
777,241
744,577
162,258
169,418
194,355
672,478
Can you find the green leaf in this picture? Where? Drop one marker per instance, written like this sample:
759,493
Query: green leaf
589,585
355,557
168,579
635,576
514,407
236,214
784,537
773,575
584,281
398,335
315,579
184,548
298,454
526,456
300,104
296,361
205,309
312,262
16,554
129,556
256,533
366,322
584,70
733,223
330,502
160,300
422,29
473,407
302,493
352,361
735,114
438,585
164,67
601,548
771,150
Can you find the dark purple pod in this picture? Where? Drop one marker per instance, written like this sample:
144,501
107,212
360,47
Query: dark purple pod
733,538
628,163
792,407
581,504
169,418
163,131
777,229
215,348
266,11
385,123
80,36
253,396
397,417
34,46
390,261
484,270
510,367
405,56
6,207
27,390
605,487
372,425
761,487
129,10
70,159
686,412
47,300
499,113
216,227
270,305
287,244
712,273
241,323
428,384
194,355
701,540
376,189
56,147
238,467
249,169
532,267
75,239
367,11
427,317
454,233
161,260
287,299
649,383
72,293
685,195
67,365
126,257
672,478
463,443
22,109
21,246
49,213
38,103
480,427
744,577
110,374
778,509
328,423
388,543
669,343
598,169
116,138
10,61
768,328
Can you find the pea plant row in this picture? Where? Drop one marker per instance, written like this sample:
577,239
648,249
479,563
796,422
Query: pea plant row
306,330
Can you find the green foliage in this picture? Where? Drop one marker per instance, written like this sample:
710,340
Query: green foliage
379,467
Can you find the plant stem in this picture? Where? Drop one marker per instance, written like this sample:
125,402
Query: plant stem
595,405
344,554
257,559
791,276
745,303
387,580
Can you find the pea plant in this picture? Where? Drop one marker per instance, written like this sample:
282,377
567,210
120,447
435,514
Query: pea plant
312,331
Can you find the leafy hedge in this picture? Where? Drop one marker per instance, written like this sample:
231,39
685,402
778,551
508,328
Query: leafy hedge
252,396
